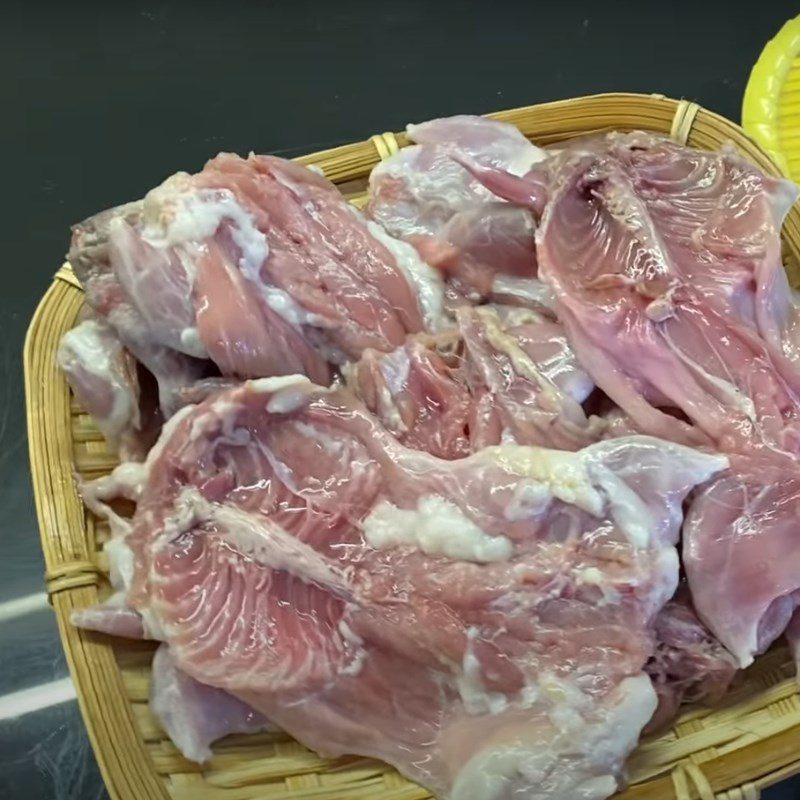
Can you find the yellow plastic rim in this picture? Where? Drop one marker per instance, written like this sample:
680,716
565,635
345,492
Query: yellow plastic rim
771,107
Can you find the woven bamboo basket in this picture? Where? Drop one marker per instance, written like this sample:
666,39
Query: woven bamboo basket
750,741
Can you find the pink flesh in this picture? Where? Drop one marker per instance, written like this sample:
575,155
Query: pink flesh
689,665
321,252
423,196
739,552
418,396
245,337
666,264
264,586
102,376
195,715
174,276
793,638
113,619
91,254
507,375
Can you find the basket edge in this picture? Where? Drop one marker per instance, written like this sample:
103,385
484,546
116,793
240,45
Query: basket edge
88,656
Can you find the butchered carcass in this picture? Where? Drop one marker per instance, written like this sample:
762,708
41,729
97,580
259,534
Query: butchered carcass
677,307
483,245
482,624
504,374
256,265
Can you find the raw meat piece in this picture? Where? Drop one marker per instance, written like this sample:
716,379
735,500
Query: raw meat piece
423,196
740,555
670,300
194,715
482,623
257,264
102,375
419,394
113,617
689,665
641,316
91,258
526,381
505,375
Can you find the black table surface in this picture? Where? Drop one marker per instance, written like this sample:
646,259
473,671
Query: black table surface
101,101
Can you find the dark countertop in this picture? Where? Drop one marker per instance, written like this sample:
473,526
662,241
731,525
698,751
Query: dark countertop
102,101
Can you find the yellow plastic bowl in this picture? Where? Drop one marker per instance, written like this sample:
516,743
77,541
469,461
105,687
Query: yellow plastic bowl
771,107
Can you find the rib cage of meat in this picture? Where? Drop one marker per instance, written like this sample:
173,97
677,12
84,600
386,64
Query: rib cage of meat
459,557
269,553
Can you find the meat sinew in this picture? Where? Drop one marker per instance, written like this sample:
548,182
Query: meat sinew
482,624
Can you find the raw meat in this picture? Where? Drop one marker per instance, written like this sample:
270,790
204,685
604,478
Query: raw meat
419,393
195,715
91,258
258,265
669,299
639,312
689,665
482,624
103,378
740,553
113,617
419,580
505,375
793,639
423,196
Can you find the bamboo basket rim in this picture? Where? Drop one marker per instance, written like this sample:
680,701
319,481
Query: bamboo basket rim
679,766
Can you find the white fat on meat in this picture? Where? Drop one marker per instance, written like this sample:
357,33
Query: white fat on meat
425,280
547,768
595,480
178,215
471,686
436,526
356,646
289,392
564,474
95,364
529,500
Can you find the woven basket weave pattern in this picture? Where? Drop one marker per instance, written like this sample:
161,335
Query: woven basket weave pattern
750,741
